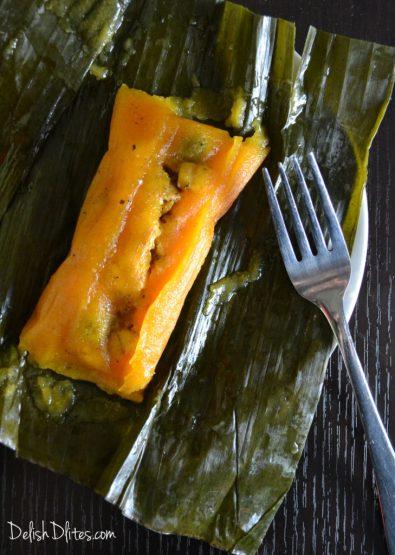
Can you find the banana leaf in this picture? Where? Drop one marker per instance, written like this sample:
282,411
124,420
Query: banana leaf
46,49
213,448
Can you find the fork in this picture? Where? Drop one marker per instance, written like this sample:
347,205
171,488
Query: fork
321,276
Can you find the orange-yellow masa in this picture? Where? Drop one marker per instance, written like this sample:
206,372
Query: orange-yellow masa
143,233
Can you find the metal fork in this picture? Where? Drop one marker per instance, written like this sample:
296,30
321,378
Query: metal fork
322,278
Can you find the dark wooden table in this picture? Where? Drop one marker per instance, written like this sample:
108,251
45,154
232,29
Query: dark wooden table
332,507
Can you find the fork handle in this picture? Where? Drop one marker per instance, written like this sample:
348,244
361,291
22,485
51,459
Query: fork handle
381,450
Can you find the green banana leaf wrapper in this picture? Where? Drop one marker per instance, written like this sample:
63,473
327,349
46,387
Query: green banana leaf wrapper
213,448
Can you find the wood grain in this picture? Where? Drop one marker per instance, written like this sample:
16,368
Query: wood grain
332,507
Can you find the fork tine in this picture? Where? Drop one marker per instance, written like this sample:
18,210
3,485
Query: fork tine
278,220
315,226
297,222
335,230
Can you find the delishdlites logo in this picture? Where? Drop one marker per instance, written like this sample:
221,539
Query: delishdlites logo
55,531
